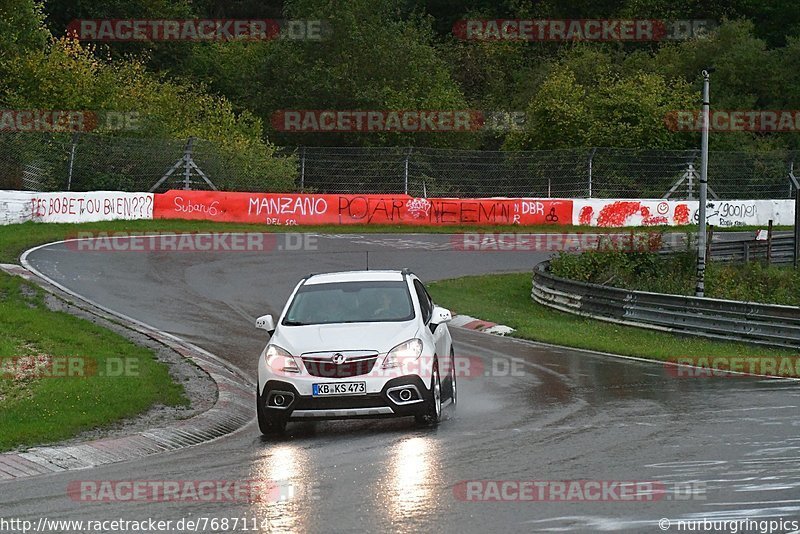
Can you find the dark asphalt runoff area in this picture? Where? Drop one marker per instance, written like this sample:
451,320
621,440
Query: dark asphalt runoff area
721,448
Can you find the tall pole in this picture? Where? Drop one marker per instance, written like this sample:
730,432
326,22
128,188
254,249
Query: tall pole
796,245
701,238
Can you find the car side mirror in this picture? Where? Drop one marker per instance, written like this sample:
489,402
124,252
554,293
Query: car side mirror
441,315
266,322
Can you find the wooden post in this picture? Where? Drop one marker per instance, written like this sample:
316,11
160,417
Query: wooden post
769,242
708,243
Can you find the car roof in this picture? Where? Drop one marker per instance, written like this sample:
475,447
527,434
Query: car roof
356,276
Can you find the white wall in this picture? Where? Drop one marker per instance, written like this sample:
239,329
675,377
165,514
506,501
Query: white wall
22,206
725,213
15,206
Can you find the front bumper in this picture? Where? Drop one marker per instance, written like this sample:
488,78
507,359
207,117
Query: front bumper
390,401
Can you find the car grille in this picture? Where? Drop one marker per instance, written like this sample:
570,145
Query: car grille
323,367
339,403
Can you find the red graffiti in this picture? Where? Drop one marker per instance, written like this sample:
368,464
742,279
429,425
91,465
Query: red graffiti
655,221
300,209
585,216
681,214
617,213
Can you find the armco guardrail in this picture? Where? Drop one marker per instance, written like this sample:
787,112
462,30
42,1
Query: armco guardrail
745,250
722,319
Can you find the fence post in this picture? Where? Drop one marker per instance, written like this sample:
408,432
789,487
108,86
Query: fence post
591,158
405,172
302,168
72,159
187,160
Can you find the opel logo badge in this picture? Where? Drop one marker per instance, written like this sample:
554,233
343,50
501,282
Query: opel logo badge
338,358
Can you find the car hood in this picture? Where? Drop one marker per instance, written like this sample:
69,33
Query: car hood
380,337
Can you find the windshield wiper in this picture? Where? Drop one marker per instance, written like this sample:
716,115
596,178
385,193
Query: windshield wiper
294,323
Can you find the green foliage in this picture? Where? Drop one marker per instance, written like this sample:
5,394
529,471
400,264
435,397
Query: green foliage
587,101
755,282
675,274
63,74
374,57
401,54
631,262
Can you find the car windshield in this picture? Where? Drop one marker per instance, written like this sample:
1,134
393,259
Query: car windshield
350,302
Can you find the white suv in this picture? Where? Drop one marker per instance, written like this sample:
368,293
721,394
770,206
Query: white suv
356,344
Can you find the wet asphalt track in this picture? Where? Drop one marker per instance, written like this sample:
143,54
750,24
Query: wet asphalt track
569,415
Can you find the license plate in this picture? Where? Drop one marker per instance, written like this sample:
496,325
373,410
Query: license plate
339,388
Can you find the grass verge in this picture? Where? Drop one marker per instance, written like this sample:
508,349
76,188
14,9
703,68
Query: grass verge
88,377
506,299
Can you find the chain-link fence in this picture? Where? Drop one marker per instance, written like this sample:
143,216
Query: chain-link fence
52,162
573,173
87,162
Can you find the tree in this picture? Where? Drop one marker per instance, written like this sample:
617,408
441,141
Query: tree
587,101
376,57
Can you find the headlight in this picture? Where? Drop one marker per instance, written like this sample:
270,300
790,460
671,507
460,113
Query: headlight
280,361
406,351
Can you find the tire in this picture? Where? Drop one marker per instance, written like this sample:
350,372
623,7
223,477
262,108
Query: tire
453,381
431,413
268,424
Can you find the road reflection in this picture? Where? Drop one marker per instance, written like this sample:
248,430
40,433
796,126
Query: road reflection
284,467
414,476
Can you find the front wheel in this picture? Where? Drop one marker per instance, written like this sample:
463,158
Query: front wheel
432,409
453,385
268,424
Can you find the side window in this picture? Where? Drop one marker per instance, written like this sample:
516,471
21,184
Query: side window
424,301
